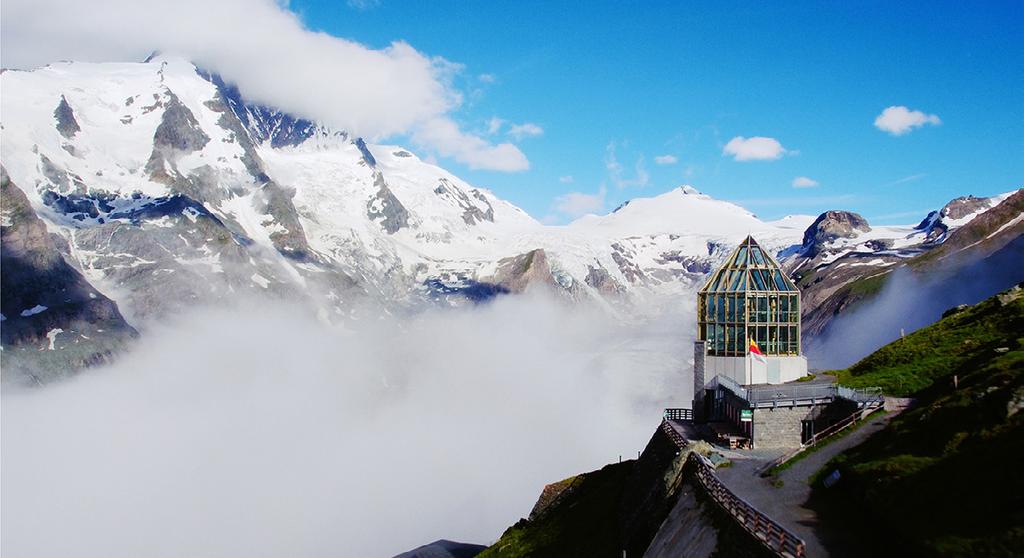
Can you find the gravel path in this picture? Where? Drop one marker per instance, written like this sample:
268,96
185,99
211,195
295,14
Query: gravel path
786,503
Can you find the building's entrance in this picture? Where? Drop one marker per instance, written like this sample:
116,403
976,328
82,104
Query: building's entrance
806,430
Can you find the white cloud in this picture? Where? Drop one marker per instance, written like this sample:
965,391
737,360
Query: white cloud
363,5
525,130
268,53
487,78
615,170
898,120
804,182
290,451
757,148
494,125
445,137
567,179
905,179
576,204
666,159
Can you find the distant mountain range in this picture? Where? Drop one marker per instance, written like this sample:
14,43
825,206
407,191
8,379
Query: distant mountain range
133,191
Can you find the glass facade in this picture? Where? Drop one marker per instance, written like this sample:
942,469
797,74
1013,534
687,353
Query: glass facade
749,297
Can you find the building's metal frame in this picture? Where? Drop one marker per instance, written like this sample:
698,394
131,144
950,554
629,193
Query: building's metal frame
749,296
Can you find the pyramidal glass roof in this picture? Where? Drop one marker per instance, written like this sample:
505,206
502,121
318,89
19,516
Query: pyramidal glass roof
749,268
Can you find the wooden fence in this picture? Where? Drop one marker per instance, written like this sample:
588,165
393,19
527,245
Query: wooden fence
763,528
776,537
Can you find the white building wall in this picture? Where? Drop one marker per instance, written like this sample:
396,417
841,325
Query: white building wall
747,371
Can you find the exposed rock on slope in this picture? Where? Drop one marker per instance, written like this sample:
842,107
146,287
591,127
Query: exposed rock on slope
54,321
986,243
830,226
66,123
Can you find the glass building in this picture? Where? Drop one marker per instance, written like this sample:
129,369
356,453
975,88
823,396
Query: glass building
749,297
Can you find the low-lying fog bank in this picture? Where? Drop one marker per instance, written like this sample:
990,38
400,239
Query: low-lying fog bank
262,432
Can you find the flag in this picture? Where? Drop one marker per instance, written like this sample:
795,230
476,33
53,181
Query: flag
755,352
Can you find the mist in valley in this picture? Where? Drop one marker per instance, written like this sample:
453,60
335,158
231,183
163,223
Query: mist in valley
260,431
910,301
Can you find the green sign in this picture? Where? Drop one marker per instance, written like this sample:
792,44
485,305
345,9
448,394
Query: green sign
746,415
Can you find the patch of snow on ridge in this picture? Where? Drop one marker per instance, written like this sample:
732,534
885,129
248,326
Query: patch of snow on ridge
52,335
1007,225
33,311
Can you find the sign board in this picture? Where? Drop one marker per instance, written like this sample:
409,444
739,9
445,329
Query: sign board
746,415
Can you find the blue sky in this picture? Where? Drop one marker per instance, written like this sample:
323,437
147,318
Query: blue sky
635,82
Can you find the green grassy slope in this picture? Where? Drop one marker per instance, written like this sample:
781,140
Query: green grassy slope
601,513
945,478
956,344
583,524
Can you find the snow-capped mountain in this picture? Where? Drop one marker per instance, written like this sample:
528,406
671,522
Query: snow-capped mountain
165,189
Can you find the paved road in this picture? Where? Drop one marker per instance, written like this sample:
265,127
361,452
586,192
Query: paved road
786,503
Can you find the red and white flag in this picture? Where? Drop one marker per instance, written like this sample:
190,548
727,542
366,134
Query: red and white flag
755,352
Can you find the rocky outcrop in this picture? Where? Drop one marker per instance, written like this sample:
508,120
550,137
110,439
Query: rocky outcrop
519,273
66,123
600,279
386,208
964,206
178,134
287,233
937,223
365,152
54,321
472,212
987,249
832,225
261,123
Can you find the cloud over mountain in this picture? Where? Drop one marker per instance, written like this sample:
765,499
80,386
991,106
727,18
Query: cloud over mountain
272,57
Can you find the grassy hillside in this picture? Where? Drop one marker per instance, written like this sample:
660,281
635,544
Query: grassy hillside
955,345
601,513
584,523
945,477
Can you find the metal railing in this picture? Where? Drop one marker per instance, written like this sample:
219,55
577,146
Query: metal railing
678,414
783,394
777,538
673,435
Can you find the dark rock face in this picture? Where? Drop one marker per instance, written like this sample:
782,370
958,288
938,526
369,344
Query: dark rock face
384,206
471,212
600,279
518,273
54,322
66,123
61,179
179,129
964,206
178,133
277,202
689,264
830,226
365,151
262,123
623,258
464,289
